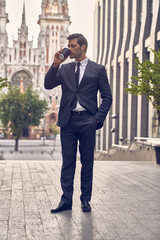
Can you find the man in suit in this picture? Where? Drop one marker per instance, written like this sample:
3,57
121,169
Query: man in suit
79,116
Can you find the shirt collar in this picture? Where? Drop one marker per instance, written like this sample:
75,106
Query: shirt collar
83,62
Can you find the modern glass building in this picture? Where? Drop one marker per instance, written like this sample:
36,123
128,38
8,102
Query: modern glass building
126,30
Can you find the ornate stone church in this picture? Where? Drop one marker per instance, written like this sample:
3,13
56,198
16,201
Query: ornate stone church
25,63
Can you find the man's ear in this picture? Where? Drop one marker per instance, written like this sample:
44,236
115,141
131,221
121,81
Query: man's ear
83,47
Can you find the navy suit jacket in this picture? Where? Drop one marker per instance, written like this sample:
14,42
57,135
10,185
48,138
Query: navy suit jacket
94,79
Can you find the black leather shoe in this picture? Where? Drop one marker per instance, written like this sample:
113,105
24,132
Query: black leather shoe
86,207
62,207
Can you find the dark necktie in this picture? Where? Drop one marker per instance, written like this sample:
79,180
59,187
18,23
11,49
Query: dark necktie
74,102
77,74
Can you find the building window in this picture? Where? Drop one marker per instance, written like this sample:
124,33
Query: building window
47,54
29,54
15,53
55,9
20,53
150,10
34,70
46,69
98,33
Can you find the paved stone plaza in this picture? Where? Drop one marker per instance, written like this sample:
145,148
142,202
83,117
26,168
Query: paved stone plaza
125,203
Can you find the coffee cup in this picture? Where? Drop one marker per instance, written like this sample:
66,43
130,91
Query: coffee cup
65,53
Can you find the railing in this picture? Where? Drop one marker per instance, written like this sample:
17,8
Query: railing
120,146
140,140
148,141
30,148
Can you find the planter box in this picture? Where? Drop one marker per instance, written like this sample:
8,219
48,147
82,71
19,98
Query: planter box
157,152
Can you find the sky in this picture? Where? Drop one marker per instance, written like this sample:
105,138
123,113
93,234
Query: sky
80,11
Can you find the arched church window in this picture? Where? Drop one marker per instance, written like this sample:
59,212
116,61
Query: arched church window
47,31
20,54
27,79
56,37
62,32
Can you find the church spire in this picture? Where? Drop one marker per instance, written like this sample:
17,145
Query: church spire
23,28
24,15
3,13
3,33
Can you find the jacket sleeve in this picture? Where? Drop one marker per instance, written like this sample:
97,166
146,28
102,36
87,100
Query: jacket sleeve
106,97
52,78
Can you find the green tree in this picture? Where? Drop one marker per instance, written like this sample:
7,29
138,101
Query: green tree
20,110
147,81
54,130
3,83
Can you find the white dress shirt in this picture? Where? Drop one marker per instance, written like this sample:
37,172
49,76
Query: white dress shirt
82,68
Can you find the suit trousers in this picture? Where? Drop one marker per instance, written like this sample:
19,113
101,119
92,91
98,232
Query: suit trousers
80,129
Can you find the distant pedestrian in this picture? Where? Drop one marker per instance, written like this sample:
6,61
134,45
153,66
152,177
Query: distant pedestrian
79,116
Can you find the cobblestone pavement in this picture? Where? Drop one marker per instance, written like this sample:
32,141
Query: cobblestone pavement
125,203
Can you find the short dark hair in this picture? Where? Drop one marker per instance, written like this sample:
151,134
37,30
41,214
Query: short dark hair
80,39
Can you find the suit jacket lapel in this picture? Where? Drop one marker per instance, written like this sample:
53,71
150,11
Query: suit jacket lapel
72,74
